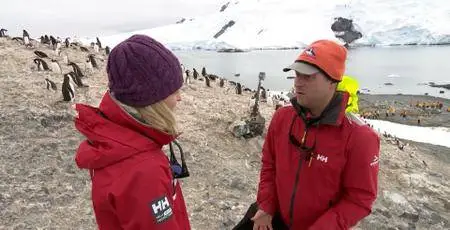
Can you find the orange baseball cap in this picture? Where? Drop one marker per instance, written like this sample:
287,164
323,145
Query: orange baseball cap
321,55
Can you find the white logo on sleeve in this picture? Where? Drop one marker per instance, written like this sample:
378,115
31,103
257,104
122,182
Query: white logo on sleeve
161,209
322,158
375,161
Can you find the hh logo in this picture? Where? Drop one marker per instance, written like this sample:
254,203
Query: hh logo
322,158
375,161
161,209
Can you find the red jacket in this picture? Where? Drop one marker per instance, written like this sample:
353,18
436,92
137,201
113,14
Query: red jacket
132,184
331,187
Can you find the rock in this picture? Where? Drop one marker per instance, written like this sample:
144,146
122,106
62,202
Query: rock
344,29
249,127
239,128
410,216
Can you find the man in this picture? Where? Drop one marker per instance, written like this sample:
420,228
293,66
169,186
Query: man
319,164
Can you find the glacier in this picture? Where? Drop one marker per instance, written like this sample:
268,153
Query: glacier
277,24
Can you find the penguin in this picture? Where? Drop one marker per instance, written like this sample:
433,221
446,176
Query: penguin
84,49
207,81
107,50
55,66
3,32
50,84
67,42
26,38
88,68
66,58
195,74
58,50
99,43
92,60
221,83
40,54
76,69
41,64
53,42
46,39
213,77
76,79
203,71
96,48
238,88
42,40
247,89
67,89
18,39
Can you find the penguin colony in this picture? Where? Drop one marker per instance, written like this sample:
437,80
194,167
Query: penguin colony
48,61
73,79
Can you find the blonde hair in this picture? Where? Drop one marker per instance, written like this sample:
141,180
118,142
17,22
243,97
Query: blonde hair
158,116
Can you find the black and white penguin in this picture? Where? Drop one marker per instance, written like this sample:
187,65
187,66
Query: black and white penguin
99,43
76,79
68,90
26,38
76,69
92,61
238,88
3,32
67,42
66,58
53,42
212,77
96,48
221,83
18,39
207,81
40,54
107,50
195,74
203,71
84,49
50,84
46,39
55,66
41,64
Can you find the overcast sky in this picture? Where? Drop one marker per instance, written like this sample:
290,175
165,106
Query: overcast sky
96,17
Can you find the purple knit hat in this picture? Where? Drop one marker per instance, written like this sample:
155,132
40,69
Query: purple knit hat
141,71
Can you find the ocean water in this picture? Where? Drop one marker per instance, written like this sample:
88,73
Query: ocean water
407,68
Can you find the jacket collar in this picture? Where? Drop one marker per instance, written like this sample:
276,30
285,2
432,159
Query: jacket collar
111,110
333,114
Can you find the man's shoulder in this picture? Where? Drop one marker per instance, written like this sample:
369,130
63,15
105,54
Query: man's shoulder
283,111
358,125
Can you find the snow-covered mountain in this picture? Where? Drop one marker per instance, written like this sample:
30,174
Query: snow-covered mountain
255,24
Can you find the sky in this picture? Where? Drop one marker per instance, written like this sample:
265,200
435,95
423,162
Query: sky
97,17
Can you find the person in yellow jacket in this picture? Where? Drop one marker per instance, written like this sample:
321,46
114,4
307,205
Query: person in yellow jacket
351,86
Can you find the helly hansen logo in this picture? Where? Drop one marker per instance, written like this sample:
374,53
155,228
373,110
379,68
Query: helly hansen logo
322,158
375,161
161,209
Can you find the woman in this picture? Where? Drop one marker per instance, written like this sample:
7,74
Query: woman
133,185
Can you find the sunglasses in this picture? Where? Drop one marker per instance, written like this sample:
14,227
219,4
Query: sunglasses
306,151
178,171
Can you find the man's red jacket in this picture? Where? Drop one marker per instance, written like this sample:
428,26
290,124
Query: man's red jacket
328,180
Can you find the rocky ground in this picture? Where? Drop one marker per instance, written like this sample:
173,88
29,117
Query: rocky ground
41,188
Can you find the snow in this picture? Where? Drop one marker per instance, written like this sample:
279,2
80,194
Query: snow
286,23
431,135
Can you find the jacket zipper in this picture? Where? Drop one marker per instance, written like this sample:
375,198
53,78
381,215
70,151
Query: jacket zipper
291,205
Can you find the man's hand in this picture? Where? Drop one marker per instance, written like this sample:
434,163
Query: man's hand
262,221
